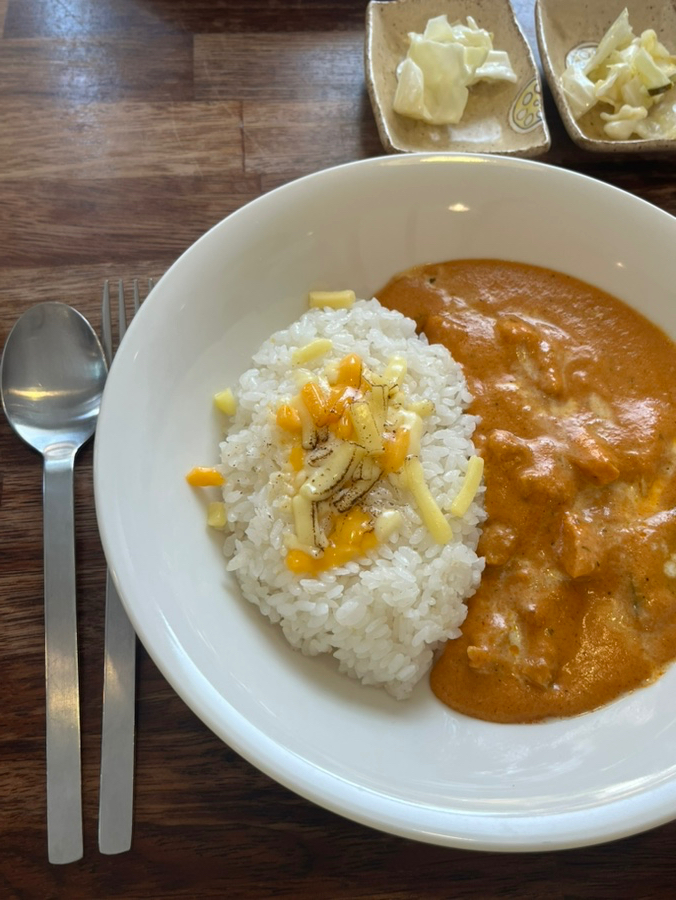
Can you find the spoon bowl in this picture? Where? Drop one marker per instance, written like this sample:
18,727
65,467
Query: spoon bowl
52,376
53,372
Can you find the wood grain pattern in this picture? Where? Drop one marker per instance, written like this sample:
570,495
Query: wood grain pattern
130,127
129,139
109,67
298,66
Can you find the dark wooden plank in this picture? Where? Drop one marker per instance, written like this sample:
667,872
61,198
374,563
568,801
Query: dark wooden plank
280,67
70,222
287,139
107,68
44,18
129,139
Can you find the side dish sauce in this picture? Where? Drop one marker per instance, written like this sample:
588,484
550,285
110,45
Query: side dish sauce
576,395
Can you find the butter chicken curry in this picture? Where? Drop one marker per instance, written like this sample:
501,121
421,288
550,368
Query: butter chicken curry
576,396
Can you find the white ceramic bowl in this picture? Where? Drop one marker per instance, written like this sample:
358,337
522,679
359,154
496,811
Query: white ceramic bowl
413,768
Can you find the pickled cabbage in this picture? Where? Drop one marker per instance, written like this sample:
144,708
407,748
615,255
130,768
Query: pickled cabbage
441,64
633,75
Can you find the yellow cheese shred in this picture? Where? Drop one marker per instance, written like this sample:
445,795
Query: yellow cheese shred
311,351
216,517
433,518
332,299
225,401
470,485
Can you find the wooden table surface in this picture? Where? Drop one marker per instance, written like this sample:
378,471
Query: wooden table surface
127,129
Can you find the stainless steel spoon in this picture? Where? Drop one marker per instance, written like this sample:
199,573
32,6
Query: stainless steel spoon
52,376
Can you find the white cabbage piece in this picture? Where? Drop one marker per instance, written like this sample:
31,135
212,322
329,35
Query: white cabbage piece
661,123
652,75
620,34
438,29
579,91
443,75
622,124
439,67
469,35
649,41
609,86
497,67
409,98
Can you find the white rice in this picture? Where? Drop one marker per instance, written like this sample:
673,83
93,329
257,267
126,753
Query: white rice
384,615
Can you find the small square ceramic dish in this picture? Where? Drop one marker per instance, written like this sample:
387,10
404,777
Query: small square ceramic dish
500,117
567,29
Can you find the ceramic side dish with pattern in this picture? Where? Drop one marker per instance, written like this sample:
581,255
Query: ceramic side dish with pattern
500,117
566,29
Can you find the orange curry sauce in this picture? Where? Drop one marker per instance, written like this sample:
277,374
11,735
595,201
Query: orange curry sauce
577,398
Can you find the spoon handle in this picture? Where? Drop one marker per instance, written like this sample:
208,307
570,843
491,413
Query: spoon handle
64,792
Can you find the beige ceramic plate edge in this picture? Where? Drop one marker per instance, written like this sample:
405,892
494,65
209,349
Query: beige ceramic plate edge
563,26
500,118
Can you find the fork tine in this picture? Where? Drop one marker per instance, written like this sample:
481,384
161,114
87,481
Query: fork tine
106,325
121,310
107,339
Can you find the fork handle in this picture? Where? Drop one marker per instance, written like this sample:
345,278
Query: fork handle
64,786
116,792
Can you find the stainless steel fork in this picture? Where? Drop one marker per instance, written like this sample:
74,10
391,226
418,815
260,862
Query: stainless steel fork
116,791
